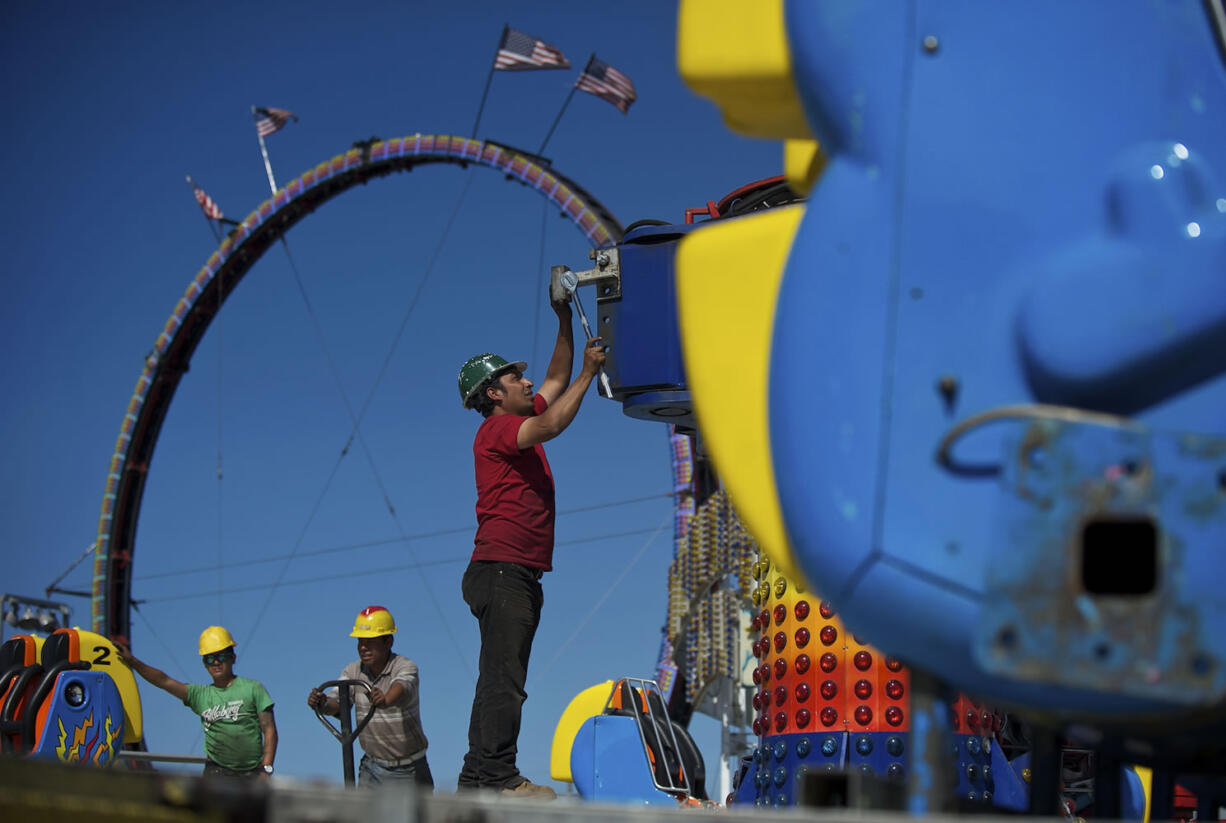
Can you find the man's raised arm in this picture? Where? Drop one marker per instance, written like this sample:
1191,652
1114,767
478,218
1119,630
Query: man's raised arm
561,412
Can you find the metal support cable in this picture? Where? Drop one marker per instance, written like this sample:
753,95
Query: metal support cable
368,544
464,558
540,286
182,672
609,591
356,432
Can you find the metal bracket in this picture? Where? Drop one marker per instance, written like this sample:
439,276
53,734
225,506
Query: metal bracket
606,277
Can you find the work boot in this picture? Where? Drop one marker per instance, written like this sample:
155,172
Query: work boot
532,790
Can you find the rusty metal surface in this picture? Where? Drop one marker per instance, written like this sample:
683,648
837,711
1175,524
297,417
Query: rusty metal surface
1048,619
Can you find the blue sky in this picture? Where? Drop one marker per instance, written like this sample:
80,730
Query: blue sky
107,108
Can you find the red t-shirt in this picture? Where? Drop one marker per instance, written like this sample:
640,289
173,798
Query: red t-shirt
515,505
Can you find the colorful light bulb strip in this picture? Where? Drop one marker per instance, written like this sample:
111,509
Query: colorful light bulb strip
708,588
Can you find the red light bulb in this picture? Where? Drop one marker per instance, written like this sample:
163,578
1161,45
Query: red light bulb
781,613
864,715
893,716
803,717
863,660
893,689
781,668
893,664
802,692
802,663
828,662
781,694
864,689
829,689
781,640
802,610
826,610
829,716
781,721
802,637
828,635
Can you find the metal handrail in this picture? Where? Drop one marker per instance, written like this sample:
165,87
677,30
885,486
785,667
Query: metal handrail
155,757
644,686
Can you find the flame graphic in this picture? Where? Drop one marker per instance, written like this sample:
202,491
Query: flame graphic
107,746
71,752
59,749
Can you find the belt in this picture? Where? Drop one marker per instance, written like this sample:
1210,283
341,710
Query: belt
404,761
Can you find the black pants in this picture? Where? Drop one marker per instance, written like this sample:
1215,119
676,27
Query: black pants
506,600
212,769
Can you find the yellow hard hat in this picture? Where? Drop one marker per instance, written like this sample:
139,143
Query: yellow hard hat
214,639
373,621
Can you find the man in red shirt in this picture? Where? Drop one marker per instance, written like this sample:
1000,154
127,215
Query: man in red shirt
514,542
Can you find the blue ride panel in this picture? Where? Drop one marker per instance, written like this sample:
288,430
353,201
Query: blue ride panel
878,754
779,765
81,720
644,362
1021,230
609,764
1009,789
973,758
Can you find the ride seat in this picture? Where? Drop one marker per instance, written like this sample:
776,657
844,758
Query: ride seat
671,750
16,653
22,673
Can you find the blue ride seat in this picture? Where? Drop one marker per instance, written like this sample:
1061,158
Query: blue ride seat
57,708
633,751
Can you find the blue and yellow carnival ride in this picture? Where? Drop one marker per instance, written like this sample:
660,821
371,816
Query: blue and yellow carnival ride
947,401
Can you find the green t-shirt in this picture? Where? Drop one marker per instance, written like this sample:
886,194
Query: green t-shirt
230,717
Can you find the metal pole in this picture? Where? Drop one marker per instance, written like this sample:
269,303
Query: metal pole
931,775
346,735
272,183
1162,794
488,79
556,120
727,718
1108,784
1045,758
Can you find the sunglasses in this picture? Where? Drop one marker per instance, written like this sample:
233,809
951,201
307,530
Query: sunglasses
218,657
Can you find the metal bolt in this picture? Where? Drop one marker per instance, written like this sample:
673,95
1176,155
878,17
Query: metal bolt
948,387
931,44
602,260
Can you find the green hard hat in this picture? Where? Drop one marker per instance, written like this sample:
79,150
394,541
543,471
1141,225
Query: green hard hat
479,368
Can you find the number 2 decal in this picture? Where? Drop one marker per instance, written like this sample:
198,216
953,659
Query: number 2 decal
103,653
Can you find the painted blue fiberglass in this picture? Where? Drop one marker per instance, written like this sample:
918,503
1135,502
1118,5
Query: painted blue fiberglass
998,396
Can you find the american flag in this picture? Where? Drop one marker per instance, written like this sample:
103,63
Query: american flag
523,52
207,205
607,83
270,121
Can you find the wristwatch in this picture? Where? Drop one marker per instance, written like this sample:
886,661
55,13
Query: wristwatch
267,769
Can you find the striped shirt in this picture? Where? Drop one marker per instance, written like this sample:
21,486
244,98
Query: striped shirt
395,731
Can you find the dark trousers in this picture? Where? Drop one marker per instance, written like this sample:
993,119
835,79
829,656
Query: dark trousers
506,600
372,773
212,769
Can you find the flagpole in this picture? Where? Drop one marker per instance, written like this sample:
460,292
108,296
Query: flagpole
272,183
562,111
489,79
214,229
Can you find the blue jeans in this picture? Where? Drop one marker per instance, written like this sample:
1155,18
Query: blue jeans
506,599
371,773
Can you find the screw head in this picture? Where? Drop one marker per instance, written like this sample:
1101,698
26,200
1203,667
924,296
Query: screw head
931,44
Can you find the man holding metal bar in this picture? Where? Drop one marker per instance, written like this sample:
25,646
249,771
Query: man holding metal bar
514,542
